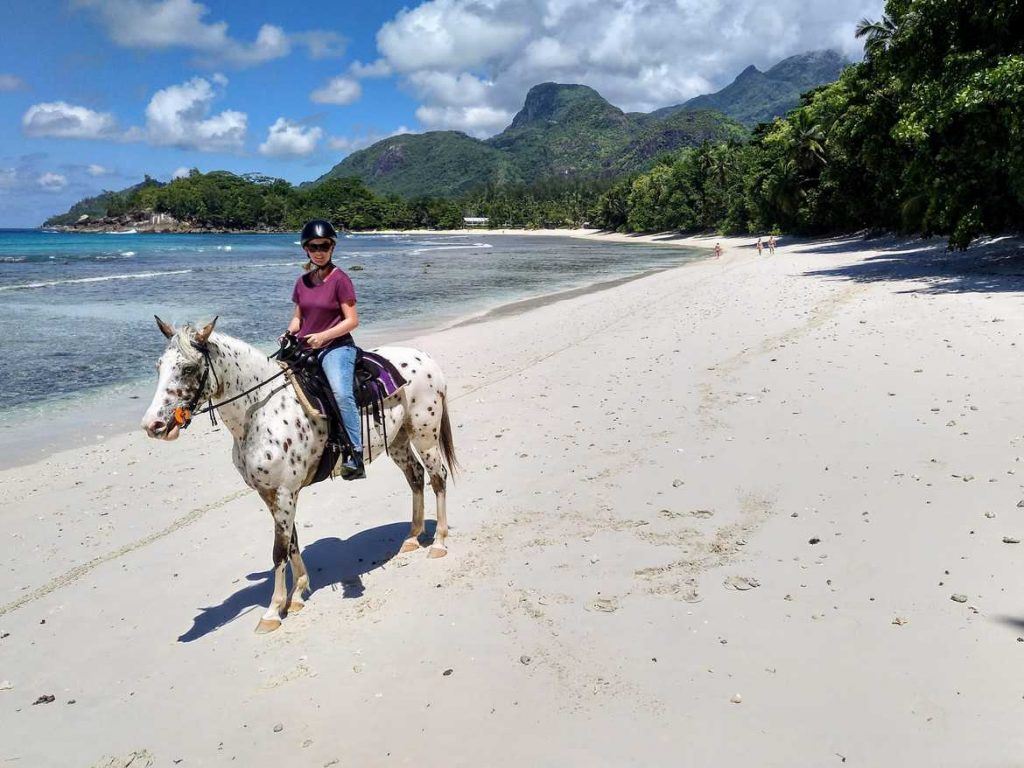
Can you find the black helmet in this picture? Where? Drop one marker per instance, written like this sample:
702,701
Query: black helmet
317,229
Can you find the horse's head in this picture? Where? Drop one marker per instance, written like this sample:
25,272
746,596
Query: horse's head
180,376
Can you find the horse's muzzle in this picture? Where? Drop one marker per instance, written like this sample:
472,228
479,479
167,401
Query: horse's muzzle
162,430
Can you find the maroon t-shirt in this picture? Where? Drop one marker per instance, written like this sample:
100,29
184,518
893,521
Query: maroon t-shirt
320,305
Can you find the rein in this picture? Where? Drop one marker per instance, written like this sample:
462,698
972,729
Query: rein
183,414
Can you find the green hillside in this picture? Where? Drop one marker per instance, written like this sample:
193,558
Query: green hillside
438,162
569,131
759,97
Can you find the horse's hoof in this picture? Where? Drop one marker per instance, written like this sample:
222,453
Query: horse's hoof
295,606
409,545
267,625
435,552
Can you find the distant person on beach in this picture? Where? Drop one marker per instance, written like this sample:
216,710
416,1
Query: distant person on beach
771,244
325,316
718,250
760,247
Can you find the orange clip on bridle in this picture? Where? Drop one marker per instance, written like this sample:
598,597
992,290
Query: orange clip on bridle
182,416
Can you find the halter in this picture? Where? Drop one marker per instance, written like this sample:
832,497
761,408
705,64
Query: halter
183,414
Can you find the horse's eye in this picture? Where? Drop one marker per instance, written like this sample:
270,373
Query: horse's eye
190,370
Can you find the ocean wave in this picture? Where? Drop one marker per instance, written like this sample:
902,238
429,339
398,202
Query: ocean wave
128,276
126,232
12,259
466,247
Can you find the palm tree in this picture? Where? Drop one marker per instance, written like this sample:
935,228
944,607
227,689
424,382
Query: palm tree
807,145
879,35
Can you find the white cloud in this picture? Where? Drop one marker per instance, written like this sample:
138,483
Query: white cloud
59,119
52,182
470,62
181,173
179,116
289,139
349,144
10,83
337,90
93,169
378,68
160,24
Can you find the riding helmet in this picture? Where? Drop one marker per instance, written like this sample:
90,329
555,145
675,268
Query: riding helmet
317,229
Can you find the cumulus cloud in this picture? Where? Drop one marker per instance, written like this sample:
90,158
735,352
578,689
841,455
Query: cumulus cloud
338,90
181,173
159,24
179,116
470,63
59,119
349,144
52,182
290,139
10,83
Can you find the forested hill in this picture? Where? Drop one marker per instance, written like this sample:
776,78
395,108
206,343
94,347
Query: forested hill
759,97
571,131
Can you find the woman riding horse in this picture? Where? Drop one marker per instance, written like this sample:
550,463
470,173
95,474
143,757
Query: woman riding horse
325,316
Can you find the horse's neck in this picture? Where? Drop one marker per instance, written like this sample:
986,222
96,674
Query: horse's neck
240,366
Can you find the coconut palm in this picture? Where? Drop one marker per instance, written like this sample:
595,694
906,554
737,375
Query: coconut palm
879,35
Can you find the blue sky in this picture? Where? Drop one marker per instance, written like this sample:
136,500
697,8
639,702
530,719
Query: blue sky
95,93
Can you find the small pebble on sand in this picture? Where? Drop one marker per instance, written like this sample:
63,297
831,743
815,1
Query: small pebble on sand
958,598
736,698
1011,540
278,728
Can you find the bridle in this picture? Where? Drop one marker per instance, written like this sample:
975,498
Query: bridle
183,414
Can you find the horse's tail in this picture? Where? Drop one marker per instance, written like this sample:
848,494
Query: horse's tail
445,438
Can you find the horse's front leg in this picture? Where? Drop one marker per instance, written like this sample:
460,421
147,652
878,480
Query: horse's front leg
281,503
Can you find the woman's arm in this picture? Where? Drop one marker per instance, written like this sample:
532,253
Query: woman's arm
296,321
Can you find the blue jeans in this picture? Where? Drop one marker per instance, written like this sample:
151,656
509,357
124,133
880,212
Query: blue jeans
339,366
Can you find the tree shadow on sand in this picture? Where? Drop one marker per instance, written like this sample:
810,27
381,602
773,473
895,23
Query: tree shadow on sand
330,561
991,265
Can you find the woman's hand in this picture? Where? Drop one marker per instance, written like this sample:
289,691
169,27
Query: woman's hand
317,340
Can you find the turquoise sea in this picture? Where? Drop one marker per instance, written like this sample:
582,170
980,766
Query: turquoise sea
76,310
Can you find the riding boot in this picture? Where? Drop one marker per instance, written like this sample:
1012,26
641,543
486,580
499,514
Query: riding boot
354,471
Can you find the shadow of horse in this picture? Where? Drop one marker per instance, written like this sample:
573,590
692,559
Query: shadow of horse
331,562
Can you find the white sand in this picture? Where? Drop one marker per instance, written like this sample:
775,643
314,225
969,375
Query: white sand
861,395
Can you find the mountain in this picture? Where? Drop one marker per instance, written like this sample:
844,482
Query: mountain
413,164
759,97
570,130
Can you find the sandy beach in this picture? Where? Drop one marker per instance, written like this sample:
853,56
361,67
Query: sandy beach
744,512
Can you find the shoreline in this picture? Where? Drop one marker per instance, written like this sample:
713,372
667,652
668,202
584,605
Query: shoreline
109,410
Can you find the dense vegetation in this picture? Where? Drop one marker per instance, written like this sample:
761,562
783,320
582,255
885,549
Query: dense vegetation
222,200
925,135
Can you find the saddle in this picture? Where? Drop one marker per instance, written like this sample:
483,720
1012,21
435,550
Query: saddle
376,379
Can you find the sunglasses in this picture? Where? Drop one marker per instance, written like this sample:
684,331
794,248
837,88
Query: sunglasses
318,247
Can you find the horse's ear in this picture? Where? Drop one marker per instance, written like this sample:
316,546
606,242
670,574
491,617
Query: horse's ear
165,329
204,333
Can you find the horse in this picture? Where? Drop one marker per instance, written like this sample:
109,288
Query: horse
277,445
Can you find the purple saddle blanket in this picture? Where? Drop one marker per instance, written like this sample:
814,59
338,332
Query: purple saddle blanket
376,378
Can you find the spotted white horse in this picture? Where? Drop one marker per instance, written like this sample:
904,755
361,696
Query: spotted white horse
277,446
